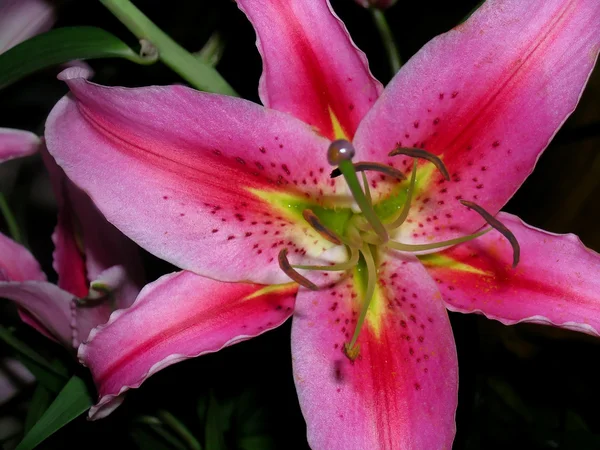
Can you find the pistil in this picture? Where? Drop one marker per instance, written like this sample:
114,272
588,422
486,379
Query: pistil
340,153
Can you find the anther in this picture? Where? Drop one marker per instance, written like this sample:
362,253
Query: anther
377,167
318,226
340,150
423,154
285,265
498,226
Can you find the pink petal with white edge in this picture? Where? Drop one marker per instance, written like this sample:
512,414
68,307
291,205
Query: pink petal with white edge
178,171
86,245
17,263
401,391
179,316
555,283
17,143
487,97
311,67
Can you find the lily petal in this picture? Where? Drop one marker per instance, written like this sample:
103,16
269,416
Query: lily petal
311,67
17,143
22,19
45,307
17,263
86,245
179,316
487,97
401,391
212,184
556,281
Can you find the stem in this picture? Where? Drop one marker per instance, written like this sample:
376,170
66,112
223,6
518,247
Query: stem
11,223
365,206
197,73
388,39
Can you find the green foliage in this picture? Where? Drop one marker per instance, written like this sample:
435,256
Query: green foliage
72,401
60,46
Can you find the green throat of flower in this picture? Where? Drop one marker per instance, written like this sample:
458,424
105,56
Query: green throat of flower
366,234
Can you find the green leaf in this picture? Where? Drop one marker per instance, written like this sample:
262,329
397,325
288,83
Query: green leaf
42,397
150,434
60,46
50,376
9,218
262,442
72,401
214,439
180,429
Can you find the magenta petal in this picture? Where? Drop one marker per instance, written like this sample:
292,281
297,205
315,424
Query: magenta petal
179,316
16,263
47,308
401,391
22,19
311,67
17,143
556,281
487,97
86,245
178,171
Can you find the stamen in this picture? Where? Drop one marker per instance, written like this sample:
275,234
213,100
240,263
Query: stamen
498,226
406,208
335,267
377,167
351,349
318,226
284,264
435,245
366,187
423,154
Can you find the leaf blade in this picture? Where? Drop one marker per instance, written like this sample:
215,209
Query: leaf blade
62,45
72,401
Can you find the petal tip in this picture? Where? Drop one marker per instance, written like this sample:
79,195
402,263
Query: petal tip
73,73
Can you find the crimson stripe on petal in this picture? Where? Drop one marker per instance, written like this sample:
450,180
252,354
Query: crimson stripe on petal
401,391
556,281
179,316
173,169
311,68
487,97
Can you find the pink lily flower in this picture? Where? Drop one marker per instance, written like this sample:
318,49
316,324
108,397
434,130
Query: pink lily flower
22,19
228,190
98,268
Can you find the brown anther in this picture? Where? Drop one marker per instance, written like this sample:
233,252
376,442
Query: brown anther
284,264
318,226
351,352
423,154
498,226
377,167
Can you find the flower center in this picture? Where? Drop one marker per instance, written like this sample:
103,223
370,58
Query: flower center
366,233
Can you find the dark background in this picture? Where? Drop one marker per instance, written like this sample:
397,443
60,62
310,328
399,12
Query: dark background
525,386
